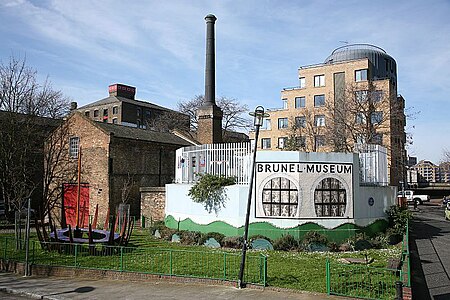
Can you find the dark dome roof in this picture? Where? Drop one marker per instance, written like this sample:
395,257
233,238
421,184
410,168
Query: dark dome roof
355,51
377,56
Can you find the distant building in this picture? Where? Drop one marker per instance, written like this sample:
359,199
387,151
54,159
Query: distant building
365,73
431,173
122,108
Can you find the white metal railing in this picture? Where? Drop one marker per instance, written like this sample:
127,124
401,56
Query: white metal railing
234,160
373,164
230,160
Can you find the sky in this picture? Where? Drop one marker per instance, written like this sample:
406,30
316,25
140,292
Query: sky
159,47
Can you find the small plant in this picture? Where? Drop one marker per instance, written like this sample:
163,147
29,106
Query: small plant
286,243
190,237
235,242
314,237
209,191
398,217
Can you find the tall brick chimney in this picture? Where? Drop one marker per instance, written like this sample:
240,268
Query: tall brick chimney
209,114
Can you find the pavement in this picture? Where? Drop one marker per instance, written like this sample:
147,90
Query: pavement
83,288
430,253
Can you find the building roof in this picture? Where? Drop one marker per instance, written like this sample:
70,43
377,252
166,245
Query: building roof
117,99
133,133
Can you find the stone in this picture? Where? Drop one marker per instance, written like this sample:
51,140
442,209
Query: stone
157,234
261,244
212,243
313,247
175,238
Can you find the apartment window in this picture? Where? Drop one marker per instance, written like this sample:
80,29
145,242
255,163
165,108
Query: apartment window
282,123
300,141
74,145
138,112
330,198
376,117
361,96
148,114
319,141
360,118
115,110
302,82
377,96
266,125
300,122
319,120
319,80
300,102
377,138
138,123
86,113
285,103
95,113
361,75
319,100
282,142
265,143
114,120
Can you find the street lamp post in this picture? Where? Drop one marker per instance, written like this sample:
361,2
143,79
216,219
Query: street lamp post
258,116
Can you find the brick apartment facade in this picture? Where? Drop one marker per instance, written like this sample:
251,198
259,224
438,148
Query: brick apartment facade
110,155
324,88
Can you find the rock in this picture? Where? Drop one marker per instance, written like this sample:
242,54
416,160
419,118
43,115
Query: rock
261,244
212,243
175,238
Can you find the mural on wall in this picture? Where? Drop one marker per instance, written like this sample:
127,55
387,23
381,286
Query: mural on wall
299,190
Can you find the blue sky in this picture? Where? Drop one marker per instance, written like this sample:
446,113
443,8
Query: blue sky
158,46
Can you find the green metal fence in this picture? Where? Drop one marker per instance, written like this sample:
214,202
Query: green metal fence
211,264
366,282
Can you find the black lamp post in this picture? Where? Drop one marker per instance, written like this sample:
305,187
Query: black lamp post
258,116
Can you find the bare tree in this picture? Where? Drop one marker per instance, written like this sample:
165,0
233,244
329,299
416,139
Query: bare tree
27,110
234,118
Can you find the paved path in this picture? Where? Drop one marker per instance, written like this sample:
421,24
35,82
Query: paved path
76,288
430,254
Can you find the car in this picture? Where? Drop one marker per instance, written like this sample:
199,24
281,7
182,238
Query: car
445,200
447,211
413,198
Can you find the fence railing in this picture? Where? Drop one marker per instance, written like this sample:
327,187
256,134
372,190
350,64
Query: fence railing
230,160
234,160
366,282
217,265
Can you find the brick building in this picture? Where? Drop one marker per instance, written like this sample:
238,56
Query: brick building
349,99
111,156
122,108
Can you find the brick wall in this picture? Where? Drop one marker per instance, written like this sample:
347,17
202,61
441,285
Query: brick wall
153,203
94,164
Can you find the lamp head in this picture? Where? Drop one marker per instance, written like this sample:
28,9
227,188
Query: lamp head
258,115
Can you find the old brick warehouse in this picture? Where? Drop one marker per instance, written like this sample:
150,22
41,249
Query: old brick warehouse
112,156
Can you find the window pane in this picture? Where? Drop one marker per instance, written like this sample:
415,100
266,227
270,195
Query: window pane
302,82
319,100
361,75
300,122
285,103
282,123
300,102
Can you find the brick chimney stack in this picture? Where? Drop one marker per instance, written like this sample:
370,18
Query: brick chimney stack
209,114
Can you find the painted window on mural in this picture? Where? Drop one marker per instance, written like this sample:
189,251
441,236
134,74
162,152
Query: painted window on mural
330,198
280,198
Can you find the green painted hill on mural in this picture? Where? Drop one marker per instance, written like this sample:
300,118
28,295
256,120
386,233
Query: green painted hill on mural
337,234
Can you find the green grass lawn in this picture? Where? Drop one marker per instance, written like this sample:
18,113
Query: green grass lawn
295,270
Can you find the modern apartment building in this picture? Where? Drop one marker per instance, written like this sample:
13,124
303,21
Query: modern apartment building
429,172
122,108
349,99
